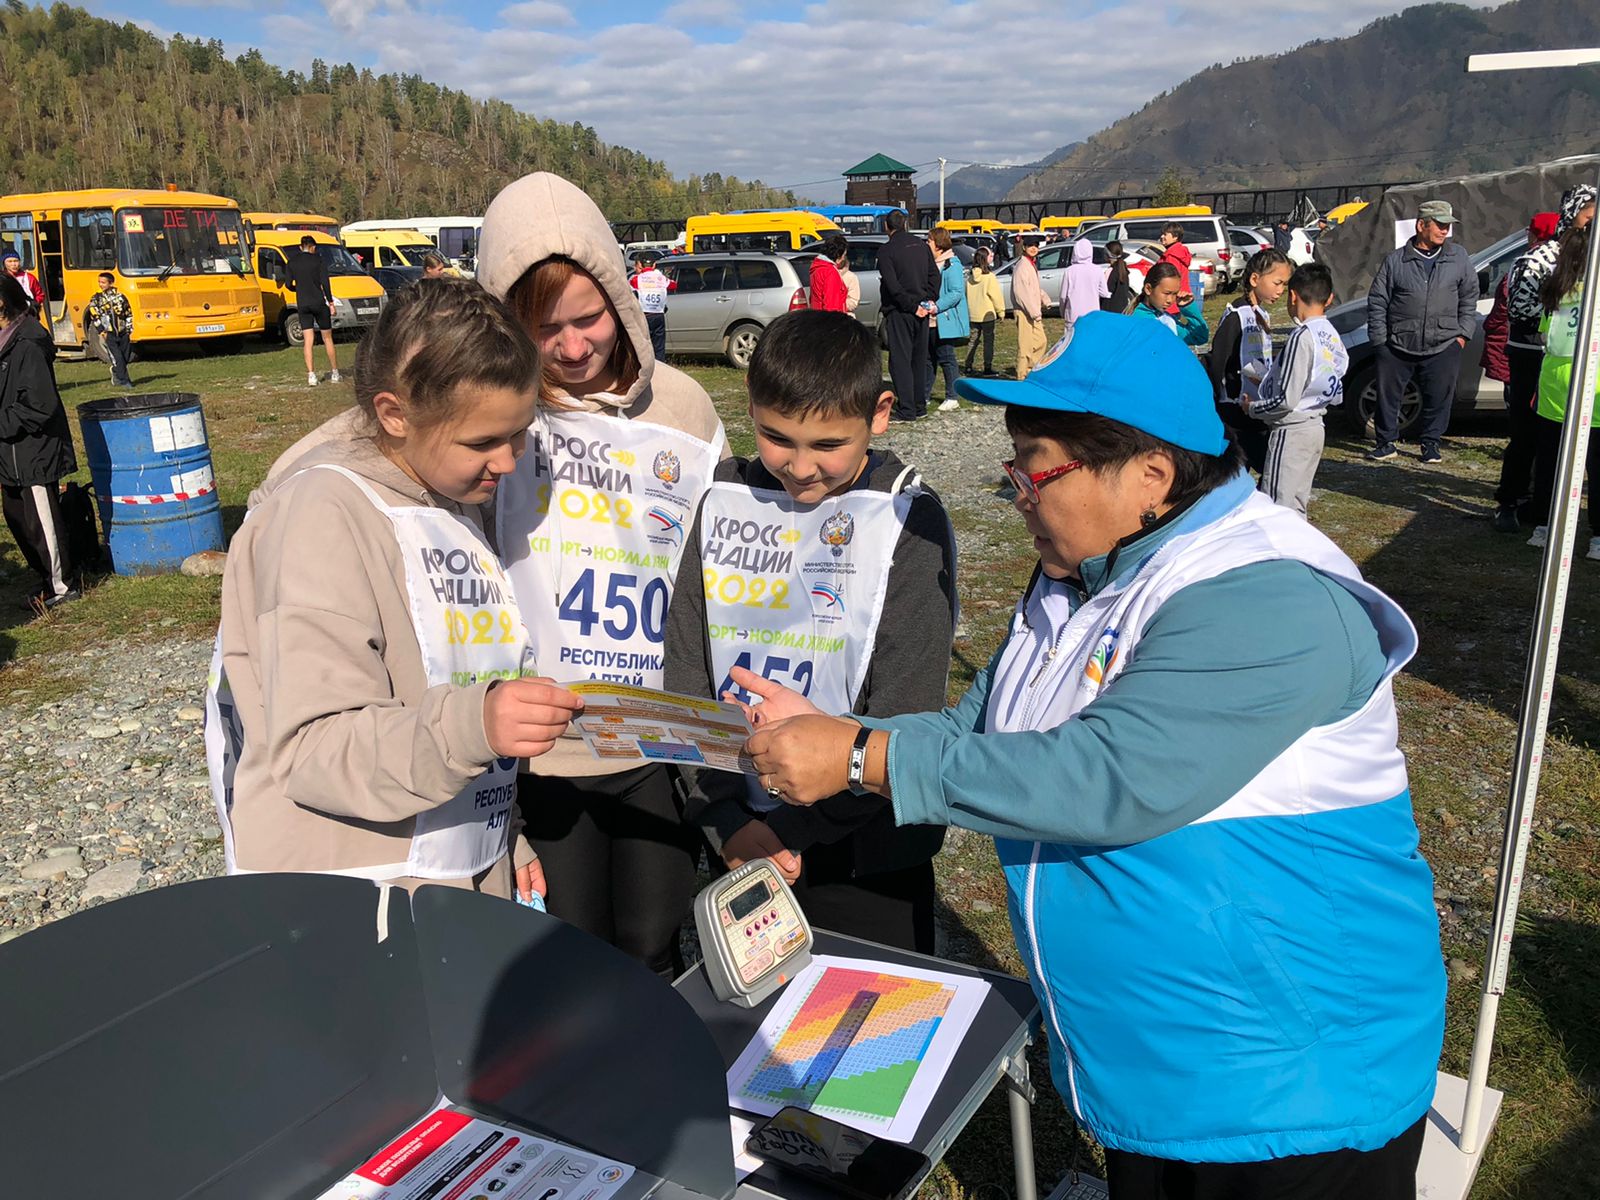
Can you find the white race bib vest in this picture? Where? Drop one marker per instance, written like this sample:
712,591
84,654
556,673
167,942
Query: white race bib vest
652,288
469,629
795,592
1326,387
1052,667
1255,351
591,525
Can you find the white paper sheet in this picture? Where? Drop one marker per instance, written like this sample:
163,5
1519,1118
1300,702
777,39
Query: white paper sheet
453,1156
800,1056
744,1163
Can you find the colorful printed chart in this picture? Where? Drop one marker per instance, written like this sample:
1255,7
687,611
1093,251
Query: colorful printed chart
864,1043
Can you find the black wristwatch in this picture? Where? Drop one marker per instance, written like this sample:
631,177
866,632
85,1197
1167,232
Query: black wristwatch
858,763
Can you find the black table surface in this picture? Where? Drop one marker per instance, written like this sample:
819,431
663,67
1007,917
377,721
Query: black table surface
1008,1010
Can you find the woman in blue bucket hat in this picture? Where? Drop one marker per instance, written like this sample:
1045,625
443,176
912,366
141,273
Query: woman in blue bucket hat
1186,751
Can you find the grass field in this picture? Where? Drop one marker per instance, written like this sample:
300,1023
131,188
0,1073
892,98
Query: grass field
1421,534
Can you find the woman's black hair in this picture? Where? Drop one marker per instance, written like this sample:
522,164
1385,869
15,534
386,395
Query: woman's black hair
835,247
1103,445
1565,276
13,300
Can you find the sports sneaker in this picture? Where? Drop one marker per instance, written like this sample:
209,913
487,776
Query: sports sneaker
334,376
1541,535
1505,520
311,378
950,405
1431,456
1380,453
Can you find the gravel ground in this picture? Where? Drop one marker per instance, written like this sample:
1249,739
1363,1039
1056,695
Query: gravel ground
105,794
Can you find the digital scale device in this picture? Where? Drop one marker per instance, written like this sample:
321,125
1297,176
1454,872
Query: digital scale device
752,933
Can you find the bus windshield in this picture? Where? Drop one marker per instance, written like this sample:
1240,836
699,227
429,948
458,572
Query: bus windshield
180,241
415,254
338,260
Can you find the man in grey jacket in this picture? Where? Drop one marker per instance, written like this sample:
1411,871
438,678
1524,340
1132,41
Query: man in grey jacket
1421,312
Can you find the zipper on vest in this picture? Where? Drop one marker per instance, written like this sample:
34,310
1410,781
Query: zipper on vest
1048,995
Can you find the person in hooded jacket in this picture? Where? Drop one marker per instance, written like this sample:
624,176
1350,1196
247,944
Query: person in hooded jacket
1083,285
827,288
591,530
1524,357
35,447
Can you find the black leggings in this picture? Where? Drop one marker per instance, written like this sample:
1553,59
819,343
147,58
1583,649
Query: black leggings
1547,453
1387,1173
618,861
984,330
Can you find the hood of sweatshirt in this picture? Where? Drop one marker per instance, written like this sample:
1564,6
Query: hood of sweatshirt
1082,252
1573,202
28,329
542,216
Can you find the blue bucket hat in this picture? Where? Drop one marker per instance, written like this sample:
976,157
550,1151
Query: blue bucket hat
1126,369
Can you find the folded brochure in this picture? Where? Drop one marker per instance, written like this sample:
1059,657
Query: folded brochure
451,1155
623,723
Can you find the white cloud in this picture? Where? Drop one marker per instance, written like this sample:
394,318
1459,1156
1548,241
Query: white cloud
720,14
542,13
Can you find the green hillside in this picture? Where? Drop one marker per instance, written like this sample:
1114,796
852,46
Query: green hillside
86,102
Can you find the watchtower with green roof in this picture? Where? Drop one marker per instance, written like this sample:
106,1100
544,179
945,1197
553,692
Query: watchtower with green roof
881,180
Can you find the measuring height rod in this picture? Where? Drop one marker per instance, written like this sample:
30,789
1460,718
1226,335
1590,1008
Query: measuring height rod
1545,644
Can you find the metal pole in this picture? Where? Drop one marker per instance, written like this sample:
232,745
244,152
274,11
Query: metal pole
1539,683
941,190
1545,644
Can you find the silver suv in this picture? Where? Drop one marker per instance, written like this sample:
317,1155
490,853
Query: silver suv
1206,237
723,302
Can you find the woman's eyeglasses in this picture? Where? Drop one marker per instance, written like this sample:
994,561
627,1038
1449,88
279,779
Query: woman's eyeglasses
1028,485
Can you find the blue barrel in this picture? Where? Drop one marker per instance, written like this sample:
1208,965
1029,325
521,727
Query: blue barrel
151,465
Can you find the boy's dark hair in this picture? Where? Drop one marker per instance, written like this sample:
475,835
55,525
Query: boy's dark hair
1173,228
308,242
1262,261
106,275
13,300
645,260
895,220
1312,282
835,247
809,361
1103,445
436,336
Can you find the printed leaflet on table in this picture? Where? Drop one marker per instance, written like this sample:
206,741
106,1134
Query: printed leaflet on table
453,1156
623,723
865,1043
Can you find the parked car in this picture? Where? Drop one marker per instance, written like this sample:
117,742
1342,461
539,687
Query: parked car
1244,242
1054,260
1475,391
1303,244
863,260
723,302
1206,236
395,278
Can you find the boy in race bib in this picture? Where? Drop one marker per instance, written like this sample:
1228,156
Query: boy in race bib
1300,386
367,708
823,565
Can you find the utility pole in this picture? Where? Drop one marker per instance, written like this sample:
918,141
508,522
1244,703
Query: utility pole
1544,645
941,190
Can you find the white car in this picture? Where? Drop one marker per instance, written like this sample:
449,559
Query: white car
1303,245
1055,258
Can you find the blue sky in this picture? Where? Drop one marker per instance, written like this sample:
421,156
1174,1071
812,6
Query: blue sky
791,93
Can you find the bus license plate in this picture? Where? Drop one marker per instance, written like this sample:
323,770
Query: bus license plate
209,328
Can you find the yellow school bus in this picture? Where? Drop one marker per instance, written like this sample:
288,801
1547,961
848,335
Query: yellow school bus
179,257
976,225
1174,210
1018,226
358,298
771,231
299,222
1066,225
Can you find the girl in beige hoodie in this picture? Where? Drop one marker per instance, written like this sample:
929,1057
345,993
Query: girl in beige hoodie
592,524
368,705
